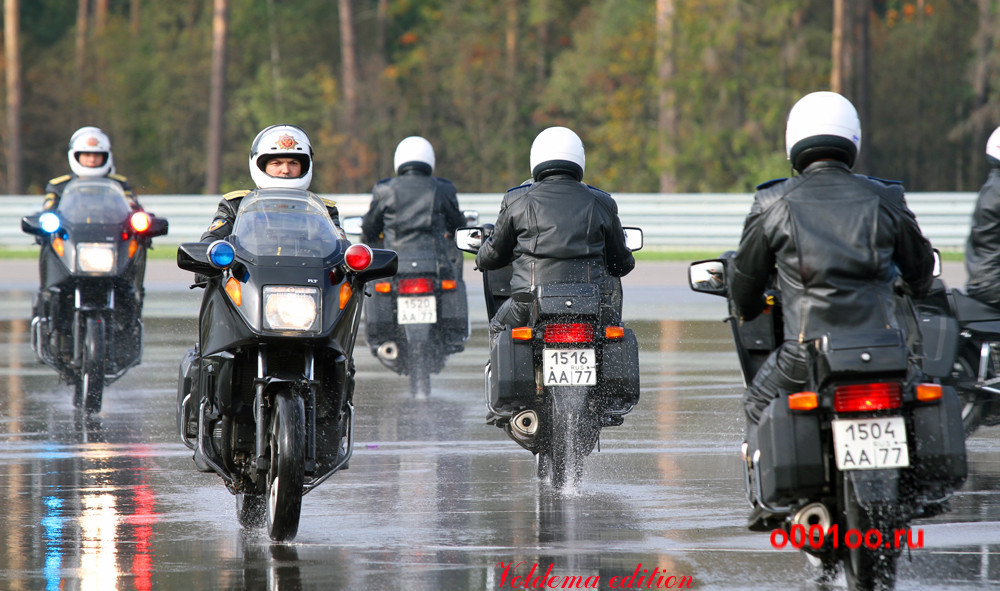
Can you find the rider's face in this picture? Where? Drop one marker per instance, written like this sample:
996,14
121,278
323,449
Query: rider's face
289,168
91,159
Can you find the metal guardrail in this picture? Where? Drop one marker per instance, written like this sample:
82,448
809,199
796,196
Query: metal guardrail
704,221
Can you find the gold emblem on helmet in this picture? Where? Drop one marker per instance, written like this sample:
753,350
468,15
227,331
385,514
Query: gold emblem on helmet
286,142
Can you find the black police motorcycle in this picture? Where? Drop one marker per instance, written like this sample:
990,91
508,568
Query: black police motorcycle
266,397
418,318
962,350
87,321
842,467
574,370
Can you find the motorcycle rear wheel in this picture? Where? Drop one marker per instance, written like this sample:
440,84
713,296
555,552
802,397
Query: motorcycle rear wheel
89,385
285,473
418,367
568,429
866,568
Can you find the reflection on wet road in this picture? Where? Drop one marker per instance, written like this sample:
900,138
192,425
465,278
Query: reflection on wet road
434,498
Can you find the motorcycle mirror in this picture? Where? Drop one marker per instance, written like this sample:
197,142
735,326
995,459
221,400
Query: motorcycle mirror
633,238
158,226
708,277
937,263
31,225
471,217
193,256
352,225
469,239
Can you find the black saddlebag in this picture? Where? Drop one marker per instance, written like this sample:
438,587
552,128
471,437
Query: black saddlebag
938,446
619,371
379,320
512,372
790,465
453,319
854,354
575,299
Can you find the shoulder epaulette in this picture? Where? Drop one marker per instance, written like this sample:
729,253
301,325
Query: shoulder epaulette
770,183
60,179
328,202
886,181
118,177
602,191
235,194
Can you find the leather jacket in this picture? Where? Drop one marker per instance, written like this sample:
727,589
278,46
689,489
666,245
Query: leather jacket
982,251
54,190
558,230
414,213
225,215
838,241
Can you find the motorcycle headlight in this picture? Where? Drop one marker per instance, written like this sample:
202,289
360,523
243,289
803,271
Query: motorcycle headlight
291,308
95,257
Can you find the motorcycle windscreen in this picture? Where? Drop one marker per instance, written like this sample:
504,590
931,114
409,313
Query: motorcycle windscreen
285,223
94,201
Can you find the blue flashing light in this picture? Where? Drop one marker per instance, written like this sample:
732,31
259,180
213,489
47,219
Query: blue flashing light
221,254
49,222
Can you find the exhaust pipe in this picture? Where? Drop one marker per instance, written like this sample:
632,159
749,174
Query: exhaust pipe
813,514
524,426
387,351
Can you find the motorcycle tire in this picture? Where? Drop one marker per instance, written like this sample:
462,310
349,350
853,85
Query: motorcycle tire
867,568
89,385
568,428
286,472
418,366
250,509
965,374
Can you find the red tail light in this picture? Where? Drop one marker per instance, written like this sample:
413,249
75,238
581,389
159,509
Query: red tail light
418,285
862,397
569,333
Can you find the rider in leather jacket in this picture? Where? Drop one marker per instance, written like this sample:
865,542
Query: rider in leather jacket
415,211
982,251
556,230
837,239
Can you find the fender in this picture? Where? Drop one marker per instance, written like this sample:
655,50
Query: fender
418,333
875,486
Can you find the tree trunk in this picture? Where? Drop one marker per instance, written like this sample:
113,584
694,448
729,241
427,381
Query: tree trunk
667,99
12,50
100,15
861,83
217,96
133,15
82,9
348,64
510,74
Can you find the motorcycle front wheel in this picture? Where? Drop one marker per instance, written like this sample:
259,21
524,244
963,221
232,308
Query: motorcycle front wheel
89,386
285,473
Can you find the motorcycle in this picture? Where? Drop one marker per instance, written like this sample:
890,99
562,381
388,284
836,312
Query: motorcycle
87,319
962,350
554,384
265,399
844,466
418,318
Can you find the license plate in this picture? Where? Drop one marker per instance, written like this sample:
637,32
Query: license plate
419,310
569,367
870,444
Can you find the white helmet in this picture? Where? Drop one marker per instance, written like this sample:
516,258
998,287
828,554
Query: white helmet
993,148
276,141
557,149
90,139
414,151
822,125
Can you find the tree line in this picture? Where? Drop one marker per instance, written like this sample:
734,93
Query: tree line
668,95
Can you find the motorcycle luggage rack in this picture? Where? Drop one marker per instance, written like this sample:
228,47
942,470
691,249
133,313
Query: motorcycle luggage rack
307,487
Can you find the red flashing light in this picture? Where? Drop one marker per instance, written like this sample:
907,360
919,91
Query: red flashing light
418,285
140,221
358,257
569,333
864,397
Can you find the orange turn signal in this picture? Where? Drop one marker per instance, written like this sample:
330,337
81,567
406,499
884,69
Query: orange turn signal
58,246
345,294
614,332
928,392
449,284
132,247
234,290
803,401
383,287
522,333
